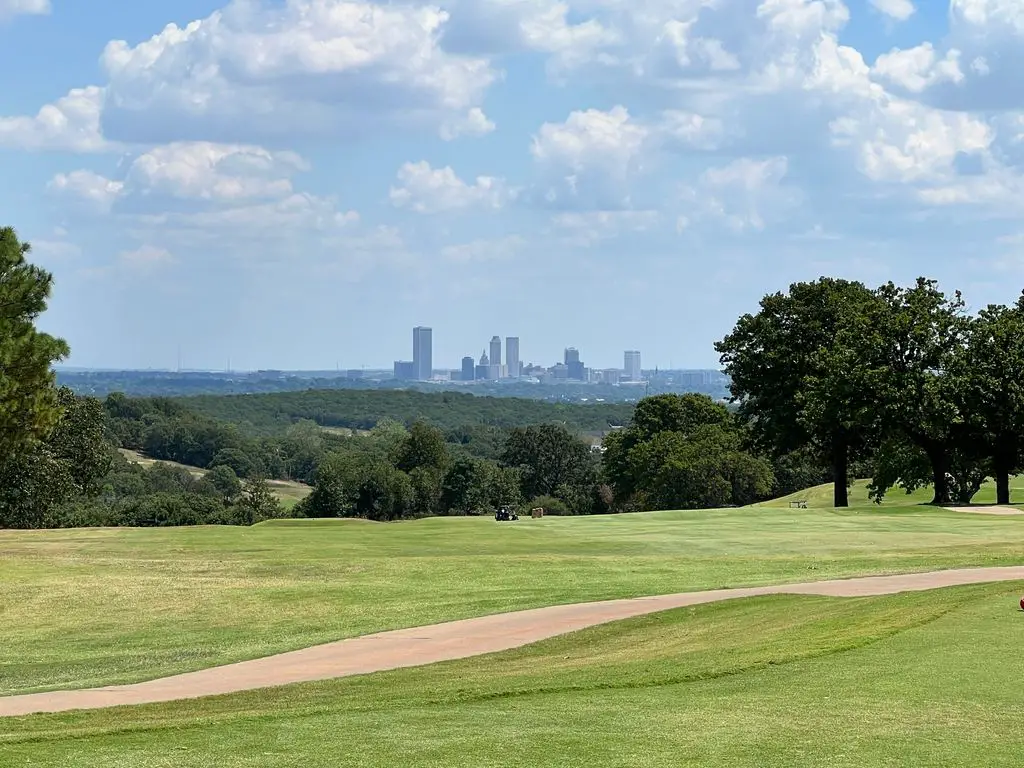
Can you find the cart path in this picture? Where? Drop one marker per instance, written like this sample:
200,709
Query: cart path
457,640
989,510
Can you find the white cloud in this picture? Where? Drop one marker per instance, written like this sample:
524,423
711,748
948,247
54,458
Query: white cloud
91,188
146,257
744,194
587,228
207,171
803,17
900,10
480,250
72,123
474,123
424,189
916,69
307,67
12,8
591,139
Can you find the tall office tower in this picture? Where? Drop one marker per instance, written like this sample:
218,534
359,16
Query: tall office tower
422,353
632,365
468,369
512,356
572,355
496,354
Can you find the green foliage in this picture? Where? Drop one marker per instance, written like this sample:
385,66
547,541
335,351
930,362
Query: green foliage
552,462
788,372
683,452
423,448
258,502
363,409
29,406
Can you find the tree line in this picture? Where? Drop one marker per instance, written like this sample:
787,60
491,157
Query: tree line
902,378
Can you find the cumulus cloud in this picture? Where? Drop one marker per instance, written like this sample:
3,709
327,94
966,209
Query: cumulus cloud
207,171
91,188
424,189
72,123
305,67
743,194
11,8
916,69
899,10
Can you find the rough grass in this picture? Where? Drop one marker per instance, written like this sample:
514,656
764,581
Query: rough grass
921,679
288,492
82,608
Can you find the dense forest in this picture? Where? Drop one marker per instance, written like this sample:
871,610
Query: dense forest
268,414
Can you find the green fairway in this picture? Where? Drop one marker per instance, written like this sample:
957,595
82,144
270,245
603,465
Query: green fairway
820,496
91,607
920,679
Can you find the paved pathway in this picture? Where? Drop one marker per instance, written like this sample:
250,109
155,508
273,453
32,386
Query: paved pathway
456,640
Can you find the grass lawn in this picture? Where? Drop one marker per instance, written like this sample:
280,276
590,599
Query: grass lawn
820,496
923,680
91,607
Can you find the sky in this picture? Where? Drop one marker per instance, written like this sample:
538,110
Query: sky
295,184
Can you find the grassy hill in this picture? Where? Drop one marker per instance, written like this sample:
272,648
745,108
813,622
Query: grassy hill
288,492
821,496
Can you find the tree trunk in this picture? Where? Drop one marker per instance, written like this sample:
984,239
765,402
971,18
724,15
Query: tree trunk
840,475
1002,484
940,465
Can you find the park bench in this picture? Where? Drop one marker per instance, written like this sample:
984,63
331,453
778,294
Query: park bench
802,504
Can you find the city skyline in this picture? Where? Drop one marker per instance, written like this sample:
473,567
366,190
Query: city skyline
490,366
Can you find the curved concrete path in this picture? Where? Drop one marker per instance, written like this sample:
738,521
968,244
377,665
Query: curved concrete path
456,640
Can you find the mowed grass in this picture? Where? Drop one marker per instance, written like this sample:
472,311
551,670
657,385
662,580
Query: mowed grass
919,680
92,607
821,496
288,492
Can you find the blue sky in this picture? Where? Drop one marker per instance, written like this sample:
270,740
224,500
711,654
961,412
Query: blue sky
297,183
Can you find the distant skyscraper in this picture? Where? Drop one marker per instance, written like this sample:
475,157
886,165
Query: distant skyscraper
468,369
496,354
572,355
512,356
632,365
422,353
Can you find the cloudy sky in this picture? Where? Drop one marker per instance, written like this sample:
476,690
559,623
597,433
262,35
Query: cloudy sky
296,183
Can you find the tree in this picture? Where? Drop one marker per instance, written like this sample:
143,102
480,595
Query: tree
911,345
225,482
992,369
29,406
786,359
69,462
258,502
424,447
548,457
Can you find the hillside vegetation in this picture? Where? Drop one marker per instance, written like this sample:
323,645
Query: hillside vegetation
267,414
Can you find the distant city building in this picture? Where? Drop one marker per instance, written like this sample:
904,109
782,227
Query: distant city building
405,370
354,373
572,355
575,369
512,363
422,353
632,365
496,355
468,369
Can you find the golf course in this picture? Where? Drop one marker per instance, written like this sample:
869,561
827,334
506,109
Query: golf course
924,677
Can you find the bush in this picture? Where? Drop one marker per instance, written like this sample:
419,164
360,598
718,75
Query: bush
550,504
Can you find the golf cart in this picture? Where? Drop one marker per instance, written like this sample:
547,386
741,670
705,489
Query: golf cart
506,514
